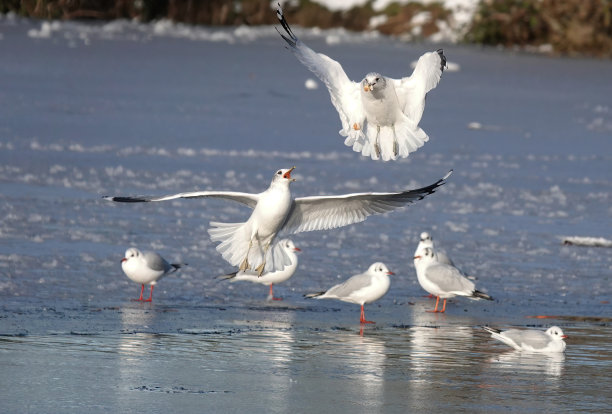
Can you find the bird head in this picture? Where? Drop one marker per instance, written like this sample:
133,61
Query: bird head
380,268
283,174
425,237
427,255
129,253
373,81
288,245
556,332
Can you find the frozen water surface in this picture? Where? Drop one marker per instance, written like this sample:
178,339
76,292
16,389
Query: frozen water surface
128,109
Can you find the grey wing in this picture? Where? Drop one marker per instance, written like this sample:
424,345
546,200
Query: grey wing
535,339
247,199
156,262
328,212
350,286
345,94
449,279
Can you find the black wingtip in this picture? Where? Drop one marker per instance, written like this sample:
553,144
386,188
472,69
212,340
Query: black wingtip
292,40
313,295
442,59
482,295
126,199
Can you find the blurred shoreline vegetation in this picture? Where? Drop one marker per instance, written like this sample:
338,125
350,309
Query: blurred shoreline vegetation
567,27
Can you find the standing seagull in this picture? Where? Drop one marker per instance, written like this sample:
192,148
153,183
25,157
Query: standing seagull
274,210
427,241
270,278
442,280
360,289
146,268
530,340
389,110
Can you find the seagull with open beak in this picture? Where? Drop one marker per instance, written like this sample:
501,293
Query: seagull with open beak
275,211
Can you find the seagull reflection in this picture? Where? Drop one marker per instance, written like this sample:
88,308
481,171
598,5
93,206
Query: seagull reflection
550,364
135,318
362,359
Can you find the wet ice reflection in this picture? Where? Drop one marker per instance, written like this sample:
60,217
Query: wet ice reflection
529,363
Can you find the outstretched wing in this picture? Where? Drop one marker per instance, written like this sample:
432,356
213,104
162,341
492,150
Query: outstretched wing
328,212
411,90
247,199
345,94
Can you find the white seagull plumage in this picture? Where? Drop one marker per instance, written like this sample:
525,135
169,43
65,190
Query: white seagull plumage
530,340
146,268
388,110
360,289
270,278
443,280
427,241
247,244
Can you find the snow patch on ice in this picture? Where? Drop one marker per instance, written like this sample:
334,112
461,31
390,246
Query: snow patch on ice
587,241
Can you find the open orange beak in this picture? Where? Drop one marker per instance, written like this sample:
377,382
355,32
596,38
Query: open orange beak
416,257
287,175
367,88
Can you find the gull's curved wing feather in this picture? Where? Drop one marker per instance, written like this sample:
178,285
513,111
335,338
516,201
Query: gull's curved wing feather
351,286
449,279
411,90
345,94
247,199
328,212
535,339
156,262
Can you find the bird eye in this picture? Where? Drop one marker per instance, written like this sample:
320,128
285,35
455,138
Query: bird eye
279,172
377,79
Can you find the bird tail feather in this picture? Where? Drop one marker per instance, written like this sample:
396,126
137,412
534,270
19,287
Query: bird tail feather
227,276
314,295
481,295
390,142
234,241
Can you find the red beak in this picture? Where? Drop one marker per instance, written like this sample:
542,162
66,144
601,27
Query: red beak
297,249
390,273
124,259
287,175
416,257
564,336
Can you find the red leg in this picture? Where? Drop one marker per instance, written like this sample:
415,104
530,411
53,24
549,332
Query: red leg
271,295
362,319
443,306
150,294
140,298
436,308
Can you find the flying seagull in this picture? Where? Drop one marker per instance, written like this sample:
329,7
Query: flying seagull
146,268
443,280
247,244
360,289
380,115
270,278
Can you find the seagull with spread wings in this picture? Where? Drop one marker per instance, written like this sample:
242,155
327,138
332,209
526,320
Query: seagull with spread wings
388,110
248,244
